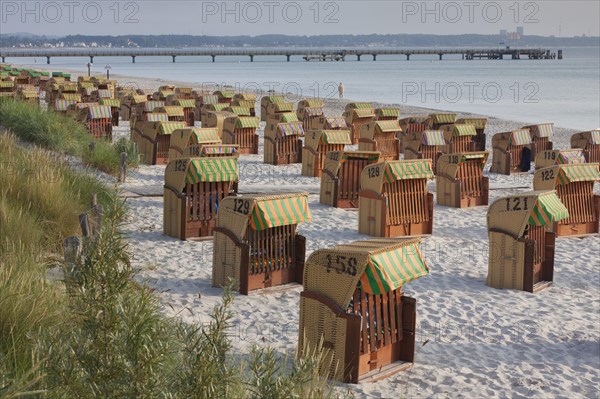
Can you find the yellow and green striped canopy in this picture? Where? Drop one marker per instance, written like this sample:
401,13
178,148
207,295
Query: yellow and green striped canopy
138,99
247,121
284,107
387,126
216,106
225,93
186,103
7,84
336,137
204,135
240,111
479,123
169,127
360,105
433,137
211,170
359,155
313,103
547,209
390,112
244,103
111,102
287,117
275,212
520,137
578,172
418,169
389,270
275,99
172,110
443,117
464,130
363,112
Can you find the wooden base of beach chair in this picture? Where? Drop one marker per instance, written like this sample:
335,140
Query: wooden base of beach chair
576,229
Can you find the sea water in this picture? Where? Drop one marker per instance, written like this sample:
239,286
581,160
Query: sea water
566,92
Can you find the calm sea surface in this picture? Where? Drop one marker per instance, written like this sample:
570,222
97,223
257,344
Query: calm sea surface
566,92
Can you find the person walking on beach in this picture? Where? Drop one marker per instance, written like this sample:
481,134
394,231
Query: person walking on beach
341,90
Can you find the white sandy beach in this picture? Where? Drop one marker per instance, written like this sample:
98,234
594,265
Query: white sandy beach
472,340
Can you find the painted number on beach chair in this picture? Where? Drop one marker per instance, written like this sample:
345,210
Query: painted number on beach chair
241,206
180,165
549,155
342,265
195,151
454,159
547,174
516,204
373,172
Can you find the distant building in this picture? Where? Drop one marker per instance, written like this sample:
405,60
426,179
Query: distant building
520,31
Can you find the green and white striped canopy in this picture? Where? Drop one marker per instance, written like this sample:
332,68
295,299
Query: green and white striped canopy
336,137
398,170
273,212
578,172
211,170
391,269
547,209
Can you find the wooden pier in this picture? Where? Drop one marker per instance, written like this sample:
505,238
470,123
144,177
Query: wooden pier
306,54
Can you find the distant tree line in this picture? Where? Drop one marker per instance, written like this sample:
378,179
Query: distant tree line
400,40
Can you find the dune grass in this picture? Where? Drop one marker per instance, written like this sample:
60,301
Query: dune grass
96,332
63,134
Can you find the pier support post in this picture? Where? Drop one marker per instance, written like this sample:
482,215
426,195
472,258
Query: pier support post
133,59
91,59
440,56
559,55
374,57
288,57
251,58
407,57
173,58
3,59
213,57
358,57
47,60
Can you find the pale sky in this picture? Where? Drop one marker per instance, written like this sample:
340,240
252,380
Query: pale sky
109,17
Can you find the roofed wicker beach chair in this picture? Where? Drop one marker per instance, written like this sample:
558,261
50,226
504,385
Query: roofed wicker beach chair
589,142
265,101
340,178
574,185
331,123
436,120
387,114
353,306
188,142
459,138
317,143
394,201
99,121
256,243
357,114
382,136
480,124
511,151
460,182
309,111
115,107
283,145
426,144
521,250
241,130
541,136
154,141
194,189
